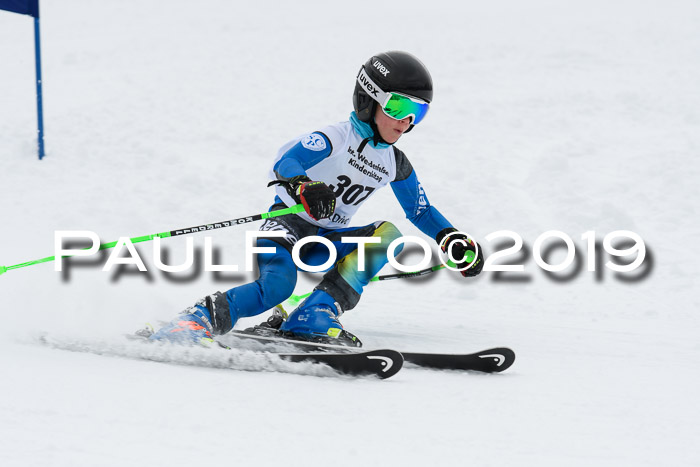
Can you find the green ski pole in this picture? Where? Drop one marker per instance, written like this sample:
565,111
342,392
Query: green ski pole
174,233
294,300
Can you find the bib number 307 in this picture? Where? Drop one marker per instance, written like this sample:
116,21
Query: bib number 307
348,193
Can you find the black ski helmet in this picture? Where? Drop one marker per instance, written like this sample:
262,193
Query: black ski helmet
393,71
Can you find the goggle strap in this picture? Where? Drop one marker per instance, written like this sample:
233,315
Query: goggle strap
371,88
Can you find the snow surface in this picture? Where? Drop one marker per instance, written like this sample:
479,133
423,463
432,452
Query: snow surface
570,116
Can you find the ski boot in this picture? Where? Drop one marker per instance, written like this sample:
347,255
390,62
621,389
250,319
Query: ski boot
193,326
316,320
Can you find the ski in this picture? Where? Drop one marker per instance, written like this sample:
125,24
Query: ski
382,363
493,360
488,361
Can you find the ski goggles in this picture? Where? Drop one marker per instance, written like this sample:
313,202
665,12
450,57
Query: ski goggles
394,104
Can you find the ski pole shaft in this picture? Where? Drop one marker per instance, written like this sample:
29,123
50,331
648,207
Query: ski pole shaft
405,275
294,300
174,233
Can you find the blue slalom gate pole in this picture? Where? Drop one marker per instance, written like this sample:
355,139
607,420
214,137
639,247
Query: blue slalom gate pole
39,104
31,8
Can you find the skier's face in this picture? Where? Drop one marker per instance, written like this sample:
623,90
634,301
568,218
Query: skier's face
389,129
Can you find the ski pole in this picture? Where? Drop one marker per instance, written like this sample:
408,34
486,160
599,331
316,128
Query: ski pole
294,300
469,257
404,275
174,233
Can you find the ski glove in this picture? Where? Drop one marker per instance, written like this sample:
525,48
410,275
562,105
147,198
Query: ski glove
462,247
317,198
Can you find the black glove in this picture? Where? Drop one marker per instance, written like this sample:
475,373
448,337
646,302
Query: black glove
462,247
317,198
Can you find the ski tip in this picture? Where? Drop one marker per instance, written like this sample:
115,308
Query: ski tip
382,363
3,270
502,358
385,362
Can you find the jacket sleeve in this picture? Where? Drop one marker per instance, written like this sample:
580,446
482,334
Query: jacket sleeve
308,152
411,195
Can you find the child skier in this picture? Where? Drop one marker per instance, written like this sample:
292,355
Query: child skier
332,172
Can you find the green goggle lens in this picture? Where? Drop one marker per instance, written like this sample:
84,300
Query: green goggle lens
399,107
